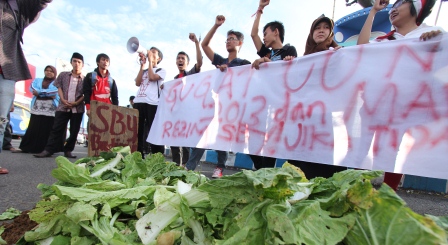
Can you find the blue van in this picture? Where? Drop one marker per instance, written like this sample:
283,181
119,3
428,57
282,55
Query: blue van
20,119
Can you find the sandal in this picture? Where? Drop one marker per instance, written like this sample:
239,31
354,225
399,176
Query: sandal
14,150
3,171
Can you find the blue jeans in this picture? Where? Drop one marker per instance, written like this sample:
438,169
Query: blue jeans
7,91
196,154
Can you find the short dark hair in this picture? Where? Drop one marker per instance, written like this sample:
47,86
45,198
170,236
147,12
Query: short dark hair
132,97
238,35
426,11
276,25
183,53
98,57
160,54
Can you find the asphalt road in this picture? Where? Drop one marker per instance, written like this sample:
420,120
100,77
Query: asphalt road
18,188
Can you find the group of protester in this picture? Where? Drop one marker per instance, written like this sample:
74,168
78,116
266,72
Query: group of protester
59,100
406,17
74,90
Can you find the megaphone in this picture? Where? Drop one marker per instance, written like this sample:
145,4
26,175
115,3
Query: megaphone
133,46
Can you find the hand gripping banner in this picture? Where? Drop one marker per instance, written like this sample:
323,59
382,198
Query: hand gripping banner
376,106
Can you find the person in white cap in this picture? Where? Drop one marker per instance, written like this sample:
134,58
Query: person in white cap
406,16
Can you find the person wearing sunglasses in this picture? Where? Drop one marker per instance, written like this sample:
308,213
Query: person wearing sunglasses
406,16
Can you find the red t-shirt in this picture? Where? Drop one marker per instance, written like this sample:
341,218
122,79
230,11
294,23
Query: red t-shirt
101,91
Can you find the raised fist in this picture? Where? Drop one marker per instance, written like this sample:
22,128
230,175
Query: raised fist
220,19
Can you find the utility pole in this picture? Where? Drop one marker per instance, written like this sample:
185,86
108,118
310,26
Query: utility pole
438,12
334,7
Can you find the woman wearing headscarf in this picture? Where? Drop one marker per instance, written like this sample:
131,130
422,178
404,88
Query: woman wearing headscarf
319,39
321,36
43,107
406,16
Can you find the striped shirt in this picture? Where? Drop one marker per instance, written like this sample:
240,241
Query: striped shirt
12,59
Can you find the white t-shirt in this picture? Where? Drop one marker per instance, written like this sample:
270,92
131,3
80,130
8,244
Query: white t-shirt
148,91
416,33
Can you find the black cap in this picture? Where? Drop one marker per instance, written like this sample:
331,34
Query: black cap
77,56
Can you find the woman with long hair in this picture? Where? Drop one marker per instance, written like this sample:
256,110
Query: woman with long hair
319,39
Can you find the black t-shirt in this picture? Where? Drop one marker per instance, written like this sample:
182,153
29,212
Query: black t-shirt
219,60
278,54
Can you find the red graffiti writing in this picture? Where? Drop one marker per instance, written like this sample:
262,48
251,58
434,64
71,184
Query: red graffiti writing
111,126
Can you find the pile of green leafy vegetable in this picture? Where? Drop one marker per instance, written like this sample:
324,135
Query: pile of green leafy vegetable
120,198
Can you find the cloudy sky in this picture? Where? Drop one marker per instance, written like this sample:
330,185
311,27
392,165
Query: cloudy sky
104,26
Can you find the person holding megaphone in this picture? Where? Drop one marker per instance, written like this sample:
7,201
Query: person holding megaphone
148,94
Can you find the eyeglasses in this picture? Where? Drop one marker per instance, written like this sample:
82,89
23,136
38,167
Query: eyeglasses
230,40
399,3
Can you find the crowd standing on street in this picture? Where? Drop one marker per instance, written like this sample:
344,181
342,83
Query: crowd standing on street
61,99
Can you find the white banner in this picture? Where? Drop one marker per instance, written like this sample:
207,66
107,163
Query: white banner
377,106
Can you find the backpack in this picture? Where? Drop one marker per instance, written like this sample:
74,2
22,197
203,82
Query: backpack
94,81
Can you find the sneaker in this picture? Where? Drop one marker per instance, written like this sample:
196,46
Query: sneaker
3,170
217,173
